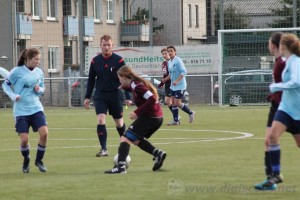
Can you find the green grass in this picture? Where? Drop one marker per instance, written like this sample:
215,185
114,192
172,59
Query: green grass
202,162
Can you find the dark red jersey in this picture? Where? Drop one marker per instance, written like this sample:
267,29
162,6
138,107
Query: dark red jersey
143,98
277,71
164,68
105,70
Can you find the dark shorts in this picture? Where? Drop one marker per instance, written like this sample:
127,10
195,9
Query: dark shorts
273,109
35,120
293,126
110,101
177,94
144,126
167,90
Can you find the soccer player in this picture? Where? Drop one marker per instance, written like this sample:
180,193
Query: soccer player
165,71
287,117
275,98
108,96
28,85
177,74
148,118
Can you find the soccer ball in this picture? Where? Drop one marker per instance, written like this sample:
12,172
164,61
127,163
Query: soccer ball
128,160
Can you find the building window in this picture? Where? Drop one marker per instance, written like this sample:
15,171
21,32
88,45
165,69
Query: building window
67,7
36,9
52,59
84,8
52,10
97,10
110,11
20,6
190,15
197,15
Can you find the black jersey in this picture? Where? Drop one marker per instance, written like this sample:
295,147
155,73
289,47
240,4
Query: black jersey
105,70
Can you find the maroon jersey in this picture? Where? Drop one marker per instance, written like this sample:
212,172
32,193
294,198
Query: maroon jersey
165,71
143,98
277,71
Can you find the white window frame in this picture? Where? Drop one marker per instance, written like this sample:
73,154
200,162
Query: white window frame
53,60
97,6
36,5
49,11
110,11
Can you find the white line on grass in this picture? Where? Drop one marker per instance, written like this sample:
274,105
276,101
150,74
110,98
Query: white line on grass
191,140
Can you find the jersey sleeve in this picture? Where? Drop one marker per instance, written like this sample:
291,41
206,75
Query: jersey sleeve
91,80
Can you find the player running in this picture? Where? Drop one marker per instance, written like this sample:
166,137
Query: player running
148,118
28,85
287,117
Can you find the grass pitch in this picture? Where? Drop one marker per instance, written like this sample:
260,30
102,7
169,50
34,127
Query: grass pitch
219,156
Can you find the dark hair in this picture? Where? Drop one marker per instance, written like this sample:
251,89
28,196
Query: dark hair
171,47
106,38
27,54
126,71
291,42
275,38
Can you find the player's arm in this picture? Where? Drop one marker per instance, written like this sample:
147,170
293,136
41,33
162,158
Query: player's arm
40,86
294,82
90,85
6,85
148,96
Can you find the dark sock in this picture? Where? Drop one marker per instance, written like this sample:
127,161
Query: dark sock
268,165
102,135
123,152
121,130
146,146
186,109
25,151
40,152
170,107
175,113
274,152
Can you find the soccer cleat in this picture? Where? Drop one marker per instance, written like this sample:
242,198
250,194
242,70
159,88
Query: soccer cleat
260,186
159,160
173,123
192,117
270,183
25,167
41,166
102,153
117,170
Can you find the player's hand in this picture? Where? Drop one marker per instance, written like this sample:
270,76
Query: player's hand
86,104
132,115
18,98
128,102
36,88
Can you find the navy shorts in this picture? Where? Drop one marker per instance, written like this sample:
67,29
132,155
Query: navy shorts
144,126
110,101
167,90
272,112
36,121
293,126
177,94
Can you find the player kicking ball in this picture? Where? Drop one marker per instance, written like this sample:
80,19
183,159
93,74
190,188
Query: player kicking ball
148,119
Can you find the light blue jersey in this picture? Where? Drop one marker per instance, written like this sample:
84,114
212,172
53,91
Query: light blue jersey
290,85
23,81
176,68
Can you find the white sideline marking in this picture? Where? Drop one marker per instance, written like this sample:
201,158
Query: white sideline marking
190,140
